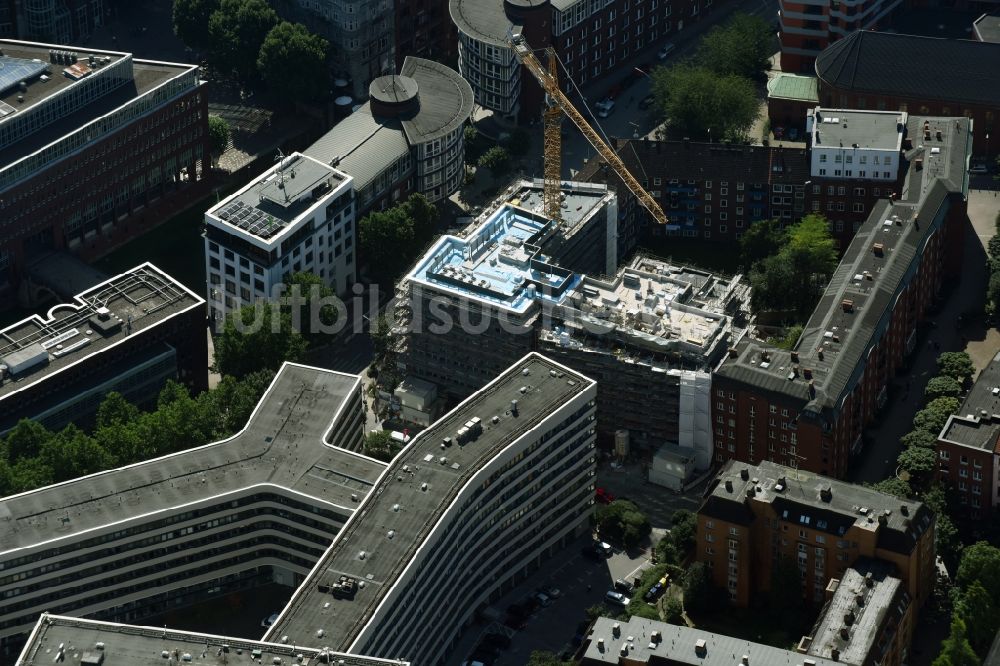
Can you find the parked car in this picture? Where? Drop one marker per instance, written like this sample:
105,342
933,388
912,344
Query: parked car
665,51
979,169
647,101
543,599
616,598
606,110
552,592
604,549
581,632
603,496
269,620
657,590
623,586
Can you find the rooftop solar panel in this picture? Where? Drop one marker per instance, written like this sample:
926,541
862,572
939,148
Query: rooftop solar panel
15,70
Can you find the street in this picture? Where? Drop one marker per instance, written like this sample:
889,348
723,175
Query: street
878,460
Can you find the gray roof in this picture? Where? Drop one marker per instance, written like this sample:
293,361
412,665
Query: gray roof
144,296
871,282
677,646
977,422
342,620
144,646
987,28
483,20
282,445
361,146
874,601
893,65
364,145
799,500
880,130
445,99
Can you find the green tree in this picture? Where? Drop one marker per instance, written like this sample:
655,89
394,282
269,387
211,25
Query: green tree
893,486
218,134
30,473
770,278
309,302
743,46
810,243
933,417
496,159
697,586
622,521
980,614
191,18
115,410
544,658
387,240
233,401
236,31
292,62
980,562
706,105
993,289
806,258
382,338
946,537
942,387
918,438
26,440
673,610
761,240
683,531
255,338
667,552
956,650
919,462
380,445
425,221
71,453
957,365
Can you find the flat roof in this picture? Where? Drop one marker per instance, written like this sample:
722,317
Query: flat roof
977,422
579,201
987,28
484,20
283,445
678,645
445,98
364,550
844,128
146,75
836,338
497,262
793,86
883,598
278,197
136,301
800,499
154,646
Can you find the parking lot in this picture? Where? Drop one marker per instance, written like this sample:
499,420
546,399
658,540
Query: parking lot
582,583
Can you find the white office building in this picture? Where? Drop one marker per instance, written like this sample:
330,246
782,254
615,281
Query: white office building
855,145
298,216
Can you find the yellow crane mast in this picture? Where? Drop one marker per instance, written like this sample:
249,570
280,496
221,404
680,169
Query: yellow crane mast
559,104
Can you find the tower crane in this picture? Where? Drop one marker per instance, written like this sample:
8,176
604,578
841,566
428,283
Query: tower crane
558,104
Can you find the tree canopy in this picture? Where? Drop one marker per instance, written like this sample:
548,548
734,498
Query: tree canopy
380,445
920,462
957,365
218,133
258,336
496,159
920,438
236,31
979,611
191,18
292,62
742,46
980,563
893,486
942,387
933,417
622,521
956,650
761,240
805,257
697,585
705,105
392,239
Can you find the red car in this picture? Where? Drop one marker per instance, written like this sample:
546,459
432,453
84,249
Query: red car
603,496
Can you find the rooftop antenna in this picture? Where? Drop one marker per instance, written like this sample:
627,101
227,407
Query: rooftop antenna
280,159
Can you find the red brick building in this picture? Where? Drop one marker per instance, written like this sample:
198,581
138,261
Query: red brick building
95,149
714,192
807,408
921,75
423,29
755,515
809,27
969,447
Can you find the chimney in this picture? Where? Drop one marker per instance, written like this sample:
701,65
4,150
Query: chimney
826,493
729,485
878,249
733,353
795,357
903,509
869,580
807,373
744,473
847,304
844,633
513,407
849,618
834,654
